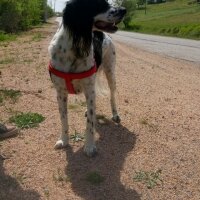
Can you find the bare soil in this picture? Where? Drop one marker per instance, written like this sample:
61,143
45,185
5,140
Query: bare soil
159,103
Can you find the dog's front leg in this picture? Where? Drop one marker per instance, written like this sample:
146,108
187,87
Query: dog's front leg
89,90
62,104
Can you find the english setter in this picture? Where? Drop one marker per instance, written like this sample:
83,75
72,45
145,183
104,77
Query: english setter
78,49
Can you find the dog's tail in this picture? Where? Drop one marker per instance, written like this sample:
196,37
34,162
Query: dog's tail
101,85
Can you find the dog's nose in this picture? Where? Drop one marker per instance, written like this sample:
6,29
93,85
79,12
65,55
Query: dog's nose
123,10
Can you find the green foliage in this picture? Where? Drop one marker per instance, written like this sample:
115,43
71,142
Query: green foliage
150,179
27,120
20,15
173,18
130,6
77,137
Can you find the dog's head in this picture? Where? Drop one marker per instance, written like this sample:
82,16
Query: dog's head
80,17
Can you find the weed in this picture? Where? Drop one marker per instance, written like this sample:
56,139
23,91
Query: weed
73,106
37,37
19,177
60,177
94,178
151,126
7,61
76,137
83,103
27,120
9,93
150,179
46,192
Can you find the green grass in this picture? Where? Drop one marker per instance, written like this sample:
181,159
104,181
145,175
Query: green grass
37,37
9,94
7,37
150,179
94,178
173,18
7,61
27,120
77,137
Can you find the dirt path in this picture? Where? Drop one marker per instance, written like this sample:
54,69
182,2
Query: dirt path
158,99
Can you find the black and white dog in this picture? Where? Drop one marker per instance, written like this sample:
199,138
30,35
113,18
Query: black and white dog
78,49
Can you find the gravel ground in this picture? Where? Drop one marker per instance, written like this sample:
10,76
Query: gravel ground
158,100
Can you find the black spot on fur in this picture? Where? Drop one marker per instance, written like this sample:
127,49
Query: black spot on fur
64,99
97,43
91,112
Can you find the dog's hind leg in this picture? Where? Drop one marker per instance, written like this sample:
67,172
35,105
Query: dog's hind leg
109,69
112,85
62,97
89,91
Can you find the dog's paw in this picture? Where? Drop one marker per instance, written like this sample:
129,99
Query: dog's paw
60,144
116,119
90,151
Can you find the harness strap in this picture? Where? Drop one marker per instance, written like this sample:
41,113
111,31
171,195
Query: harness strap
71,76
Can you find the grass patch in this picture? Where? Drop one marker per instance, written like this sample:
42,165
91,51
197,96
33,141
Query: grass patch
9,94
60,177
7,37
37,37
94,178
150,179
7,61
77,137
27,120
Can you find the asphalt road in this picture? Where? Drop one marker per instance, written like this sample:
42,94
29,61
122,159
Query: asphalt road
175,47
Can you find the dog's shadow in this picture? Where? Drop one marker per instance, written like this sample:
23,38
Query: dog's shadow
114,143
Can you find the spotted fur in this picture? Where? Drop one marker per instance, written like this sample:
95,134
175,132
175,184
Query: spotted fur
79,40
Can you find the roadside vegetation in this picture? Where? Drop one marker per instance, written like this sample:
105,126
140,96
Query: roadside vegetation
178,18
20,15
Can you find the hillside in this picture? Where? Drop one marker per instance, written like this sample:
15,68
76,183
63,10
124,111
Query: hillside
179,18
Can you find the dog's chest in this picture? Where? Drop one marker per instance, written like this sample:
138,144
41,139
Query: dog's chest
63,57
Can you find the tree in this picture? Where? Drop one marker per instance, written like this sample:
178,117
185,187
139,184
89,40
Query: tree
17,15
130,6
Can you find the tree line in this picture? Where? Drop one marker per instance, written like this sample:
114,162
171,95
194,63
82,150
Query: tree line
20,15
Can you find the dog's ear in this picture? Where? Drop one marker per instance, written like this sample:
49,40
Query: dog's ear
78,22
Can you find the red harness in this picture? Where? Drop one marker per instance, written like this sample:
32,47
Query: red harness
71,76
